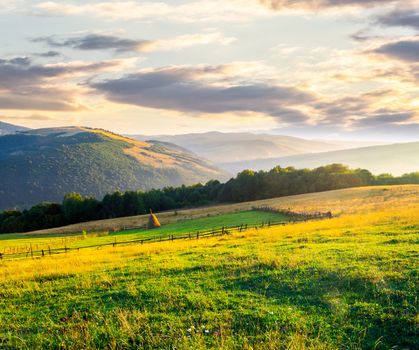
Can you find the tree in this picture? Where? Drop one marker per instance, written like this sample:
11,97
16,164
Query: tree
133,203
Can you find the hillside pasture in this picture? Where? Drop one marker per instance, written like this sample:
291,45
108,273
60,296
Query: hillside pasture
19,243
339,201
345,283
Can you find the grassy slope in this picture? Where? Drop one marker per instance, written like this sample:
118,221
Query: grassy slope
347,283
338,201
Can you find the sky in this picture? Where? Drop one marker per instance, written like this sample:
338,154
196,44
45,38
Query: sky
330,69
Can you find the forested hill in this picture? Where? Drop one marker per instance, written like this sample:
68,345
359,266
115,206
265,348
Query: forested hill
246,186
45,164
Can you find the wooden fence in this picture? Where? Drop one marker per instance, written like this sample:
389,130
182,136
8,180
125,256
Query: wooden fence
295,217
225,230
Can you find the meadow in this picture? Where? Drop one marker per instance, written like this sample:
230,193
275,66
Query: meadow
17,243
350,282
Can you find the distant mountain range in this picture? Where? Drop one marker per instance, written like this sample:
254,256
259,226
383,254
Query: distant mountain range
6,128
396,159
221,147
44,164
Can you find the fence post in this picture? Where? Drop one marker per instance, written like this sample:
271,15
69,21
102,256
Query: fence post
31,251
49,249
197,235
43,254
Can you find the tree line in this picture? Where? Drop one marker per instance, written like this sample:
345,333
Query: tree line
248,185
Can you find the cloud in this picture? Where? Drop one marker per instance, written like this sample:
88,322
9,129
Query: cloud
186,89
363,36
39,102
19,72
192,11
48,54
405,50
28,86
400,18
230,89
95,42
381,132
200,11
321,4
109,42
35,116
9,5
385,117
184,41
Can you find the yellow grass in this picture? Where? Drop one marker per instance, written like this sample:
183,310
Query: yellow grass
340,283
351,200
89,260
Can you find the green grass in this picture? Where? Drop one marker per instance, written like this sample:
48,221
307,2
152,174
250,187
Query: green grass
346,283
211,222
180,228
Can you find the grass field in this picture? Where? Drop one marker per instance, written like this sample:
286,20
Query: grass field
13,243
346,283
339,201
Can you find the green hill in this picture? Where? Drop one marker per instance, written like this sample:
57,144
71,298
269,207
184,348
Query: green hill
44,164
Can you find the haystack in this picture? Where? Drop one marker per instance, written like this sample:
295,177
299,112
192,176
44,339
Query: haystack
153,222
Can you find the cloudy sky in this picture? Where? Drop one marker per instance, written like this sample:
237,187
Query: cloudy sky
314,68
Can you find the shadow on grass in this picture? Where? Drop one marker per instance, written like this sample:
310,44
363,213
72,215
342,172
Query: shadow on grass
347,302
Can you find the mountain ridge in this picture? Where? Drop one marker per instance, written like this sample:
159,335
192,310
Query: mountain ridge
7,128
44,164
397,159
220,147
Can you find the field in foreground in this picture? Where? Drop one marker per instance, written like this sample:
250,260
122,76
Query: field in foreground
345,283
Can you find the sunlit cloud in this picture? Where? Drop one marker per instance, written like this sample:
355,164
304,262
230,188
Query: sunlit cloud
183,89
267,62
90,42
31,117
194,11
209,90
26,85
